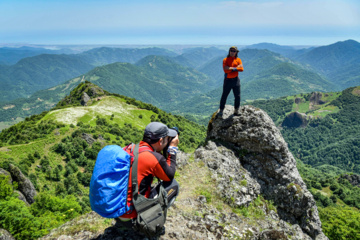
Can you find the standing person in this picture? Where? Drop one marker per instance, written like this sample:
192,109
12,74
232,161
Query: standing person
152,163
231,65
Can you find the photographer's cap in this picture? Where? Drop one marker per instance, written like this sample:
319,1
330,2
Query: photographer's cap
157,130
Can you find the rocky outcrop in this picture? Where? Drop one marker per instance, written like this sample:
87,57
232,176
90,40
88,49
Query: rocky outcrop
234,183
85,99
88,138
24,184
315,98
353,179
5,235
295,120
95,91
263,152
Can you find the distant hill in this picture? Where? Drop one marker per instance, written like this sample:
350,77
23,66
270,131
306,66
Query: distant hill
10,56
197,57
155,79
46,70
105,55
39,72
283,50
339,62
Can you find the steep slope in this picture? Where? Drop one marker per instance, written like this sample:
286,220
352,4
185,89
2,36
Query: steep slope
335,60
40,72
106,55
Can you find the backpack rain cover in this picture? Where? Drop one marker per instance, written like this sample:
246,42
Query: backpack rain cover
109,182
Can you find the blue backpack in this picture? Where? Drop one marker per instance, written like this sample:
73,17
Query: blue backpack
109,182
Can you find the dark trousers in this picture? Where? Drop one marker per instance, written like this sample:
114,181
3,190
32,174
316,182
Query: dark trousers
230,84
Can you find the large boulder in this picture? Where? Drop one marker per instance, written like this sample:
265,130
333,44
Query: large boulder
295,120
263,152
24,184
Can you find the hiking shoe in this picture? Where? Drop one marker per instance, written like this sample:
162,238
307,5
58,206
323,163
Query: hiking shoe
220,113
237,112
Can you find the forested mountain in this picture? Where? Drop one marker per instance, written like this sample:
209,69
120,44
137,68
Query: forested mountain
154,79
39,72
105,55
339,62
47,70
10,56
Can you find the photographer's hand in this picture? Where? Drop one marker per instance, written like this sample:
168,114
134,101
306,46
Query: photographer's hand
175,141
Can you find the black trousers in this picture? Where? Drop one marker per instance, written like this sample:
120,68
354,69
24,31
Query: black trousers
231,84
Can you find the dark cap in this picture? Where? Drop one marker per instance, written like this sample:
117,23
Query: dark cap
233,47
157,130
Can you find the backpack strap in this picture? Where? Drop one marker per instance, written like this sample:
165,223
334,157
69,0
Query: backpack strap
135,186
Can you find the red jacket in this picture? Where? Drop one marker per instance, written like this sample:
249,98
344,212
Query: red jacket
232,62
150,164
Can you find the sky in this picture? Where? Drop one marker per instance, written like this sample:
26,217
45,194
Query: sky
202,22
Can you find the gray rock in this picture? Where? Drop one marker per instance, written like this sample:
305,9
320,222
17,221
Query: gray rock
263,152
95,91
315,98
85,99
25,185
5,235
21,197
88,138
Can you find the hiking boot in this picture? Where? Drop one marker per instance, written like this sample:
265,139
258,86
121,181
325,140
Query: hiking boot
237,112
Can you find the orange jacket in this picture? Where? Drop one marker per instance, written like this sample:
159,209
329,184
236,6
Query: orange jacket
232,62
150,164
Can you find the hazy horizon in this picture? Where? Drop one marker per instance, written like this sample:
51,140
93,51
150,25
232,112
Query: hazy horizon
195,22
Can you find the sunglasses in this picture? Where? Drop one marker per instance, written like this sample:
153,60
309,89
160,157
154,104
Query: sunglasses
232,50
